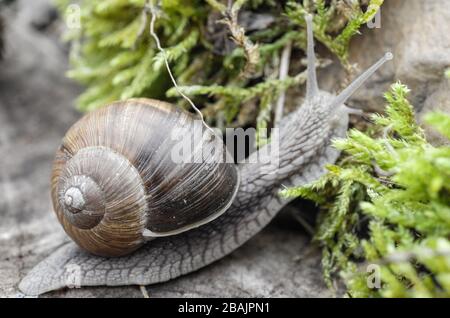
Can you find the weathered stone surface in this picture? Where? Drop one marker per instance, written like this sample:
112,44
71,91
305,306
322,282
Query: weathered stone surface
36,108
416,32
439,101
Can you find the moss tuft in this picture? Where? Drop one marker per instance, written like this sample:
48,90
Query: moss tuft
385,221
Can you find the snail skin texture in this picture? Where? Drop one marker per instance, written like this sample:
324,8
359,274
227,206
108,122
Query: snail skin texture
305,138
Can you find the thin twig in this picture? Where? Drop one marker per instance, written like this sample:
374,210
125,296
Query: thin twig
389,147
251,50
284,70
144,291
379,171
153,12
308,227
141,28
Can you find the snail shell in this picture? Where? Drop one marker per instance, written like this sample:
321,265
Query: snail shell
115,182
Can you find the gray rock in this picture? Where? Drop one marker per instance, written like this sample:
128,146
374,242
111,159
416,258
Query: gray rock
416,32
439,101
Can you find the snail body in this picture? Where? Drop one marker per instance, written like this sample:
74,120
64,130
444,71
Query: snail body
305,147
117,180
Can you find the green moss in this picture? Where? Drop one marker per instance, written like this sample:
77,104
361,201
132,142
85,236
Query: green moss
326,19
219,63
387,204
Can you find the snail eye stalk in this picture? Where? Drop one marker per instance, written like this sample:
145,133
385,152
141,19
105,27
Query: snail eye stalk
350,90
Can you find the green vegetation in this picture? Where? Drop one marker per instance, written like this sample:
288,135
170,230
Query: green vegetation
387,203
227,59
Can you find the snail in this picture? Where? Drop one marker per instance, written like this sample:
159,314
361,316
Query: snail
121,178
248,202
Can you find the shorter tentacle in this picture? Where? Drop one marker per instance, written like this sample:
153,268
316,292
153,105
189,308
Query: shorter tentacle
350,90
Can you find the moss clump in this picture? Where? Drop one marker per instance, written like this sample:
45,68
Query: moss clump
226,58
385,221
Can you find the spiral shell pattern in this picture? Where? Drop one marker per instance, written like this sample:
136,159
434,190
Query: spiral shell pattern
139,169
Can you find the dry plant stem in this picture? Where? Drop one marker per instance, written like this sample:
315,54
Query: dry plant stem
144,291
238,36
153,13
142,27
389,147
380,172
308,227
284,69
